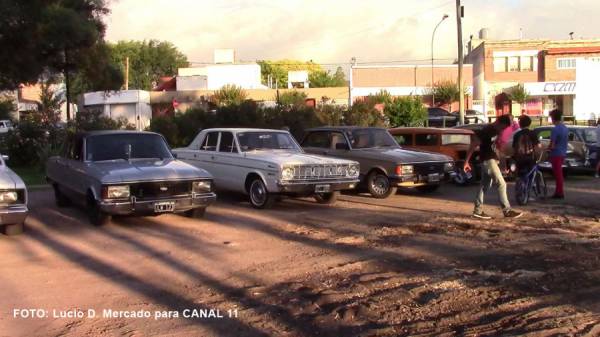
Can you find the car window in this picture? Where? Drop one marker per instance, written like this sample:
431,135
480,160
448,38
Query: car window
590,135
126,146
370,138
266,140
227,144
210,142
406,139
448,139
317,139
338,141
544,134
426,139
2,125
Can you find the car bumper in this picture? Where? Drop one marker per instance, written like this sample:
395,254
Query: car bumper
13,214
181,204
421,180
310,187
546,165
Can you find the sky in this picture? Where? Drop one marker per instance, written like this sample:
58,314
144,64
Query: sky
331,32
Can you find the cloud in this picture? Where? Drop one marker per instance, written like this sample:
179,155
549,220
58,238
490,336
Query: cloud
329,31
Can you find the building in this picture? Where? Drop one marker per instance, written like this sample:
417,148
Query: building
133,105
406,80
547,69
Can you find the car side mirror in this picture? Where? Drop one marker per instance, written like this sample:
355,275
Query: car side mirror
341,146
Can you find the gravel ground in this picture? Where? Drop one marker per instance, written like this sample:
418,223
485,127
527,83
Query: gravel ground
409,265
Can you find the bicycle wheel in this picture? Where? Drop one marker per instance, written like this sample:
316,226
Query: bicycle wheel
522,191
541,190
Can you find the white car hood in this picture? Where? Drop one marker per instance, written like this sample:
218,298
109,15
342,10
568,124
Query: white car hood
9,179
286,157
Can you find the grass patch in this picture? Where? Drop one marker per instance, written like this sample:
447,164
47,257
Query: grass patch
31,175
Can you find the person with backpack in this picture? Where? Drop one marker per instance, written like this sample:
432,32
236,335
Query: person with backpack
525,146
485,140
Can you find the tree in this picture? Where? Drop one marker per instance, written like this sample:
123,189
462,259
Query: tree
230,94
445,92
278,70
323,79
406,111
50,35
518,94
381,97
49,105
148,61
292,98
7,107
362,114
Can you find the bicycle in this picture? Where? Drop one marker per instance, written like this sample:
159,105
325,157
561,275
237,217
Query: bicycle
532,181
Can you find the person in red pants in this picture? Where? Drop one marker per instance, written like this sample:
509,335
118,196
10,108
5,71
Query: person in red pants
559,139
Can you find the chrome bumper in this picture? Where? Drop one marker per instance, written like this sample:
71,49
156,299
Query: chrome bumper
13,214
421,180
134,206
309,186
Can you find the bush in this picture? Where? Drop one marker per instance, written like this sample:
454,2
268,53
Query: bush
292,98
166,126
7,108
89,120
190,122
362,114
445,92
230,94
382,97
406,111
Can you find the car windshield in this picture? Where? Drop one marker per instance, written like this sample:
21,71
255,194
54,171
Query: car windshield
266,140
126,146
456,139
590,135
370,138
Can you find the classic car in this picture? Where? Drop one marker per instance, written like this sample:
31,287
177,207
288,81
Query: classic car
13,200
127,172
384,165
451,142
438,117
582,148
265,164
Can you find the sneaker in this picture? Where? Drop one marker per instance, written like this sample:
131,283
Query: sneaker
513,214
481,215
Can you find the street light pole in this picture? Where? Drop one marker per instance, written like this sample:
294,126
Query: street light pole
432,38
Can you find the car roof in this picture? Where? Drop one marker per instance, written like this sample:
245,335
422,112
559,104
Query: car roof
344,128
568,127
243,130
432,130
113,132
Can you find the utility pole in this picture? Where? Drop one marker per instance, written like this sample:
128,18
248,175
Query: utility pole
461,86
127,73
352,64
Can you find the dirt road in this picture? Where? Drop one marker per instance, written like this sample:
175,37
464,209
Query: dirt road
409,265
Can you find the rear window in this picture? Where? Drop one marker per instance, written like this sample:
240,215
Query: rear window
456,139
406,139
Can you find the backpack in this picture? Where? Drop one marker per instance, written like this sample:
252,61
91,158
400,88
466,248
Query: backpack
525,147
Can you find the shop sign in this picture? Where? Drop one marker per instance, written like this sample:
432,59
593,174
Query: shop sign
551,88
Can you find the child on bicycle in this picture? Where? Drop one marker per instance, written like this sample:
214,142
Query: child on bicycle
526,145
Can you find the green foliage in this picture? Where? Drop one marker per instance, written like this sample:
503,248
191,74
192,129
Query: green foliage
518,94
279,70
330,114
445,92
406,111
323,79
148,61
363,114
167,127
89,120
292,98
50,103
41,35
382,97
230,94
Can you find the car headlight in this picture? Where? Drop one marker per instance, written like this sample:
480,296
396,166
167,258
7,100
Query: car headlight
8,197
353,170
116,192
287,173
405,170
448,167
202,186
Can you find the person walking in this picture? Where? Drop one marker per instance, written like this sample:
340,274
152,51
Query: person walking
503,140
559,139
485,140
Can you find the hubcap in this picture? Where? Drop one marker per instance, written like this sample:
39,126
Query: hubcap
380,184
258,192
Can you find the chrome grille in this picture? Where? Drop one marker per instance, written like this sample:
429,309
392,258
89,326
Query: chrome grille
320,171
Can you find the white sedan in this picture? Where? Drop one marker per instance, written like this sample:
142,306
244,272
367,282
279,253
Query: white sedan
13,200
265,164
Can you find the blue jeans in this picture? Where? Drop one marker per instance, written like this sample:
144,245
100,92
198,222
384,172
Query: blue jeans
491,174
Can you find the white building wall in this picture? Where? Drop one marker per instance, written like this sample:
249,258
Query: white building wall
246,76
134,105
585,105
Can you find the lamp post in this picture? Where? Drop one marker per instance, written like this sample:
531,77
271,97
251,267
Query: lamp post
432,38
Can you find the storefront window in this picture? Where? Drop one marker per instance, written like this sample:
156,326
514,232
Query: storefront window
526,63
499,64
565,63
513,63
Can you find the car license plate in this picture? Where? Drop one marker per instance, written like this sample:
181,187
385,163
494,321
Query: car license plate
322,188
162,207
433,177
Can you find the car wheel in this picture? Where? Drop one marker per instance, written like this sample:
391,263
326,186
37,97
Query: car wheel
195,213
259,196
428,188
60,199
96,215
327,198
379,185
14,229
